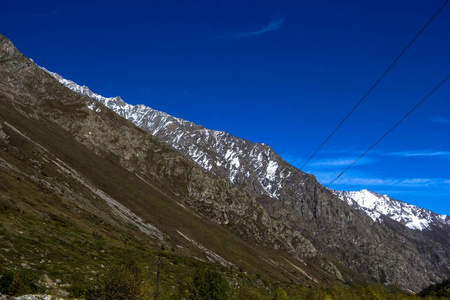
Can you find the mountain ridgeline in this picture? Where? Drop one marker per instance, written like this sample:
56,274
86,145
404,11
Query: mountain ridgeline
360,241
203,193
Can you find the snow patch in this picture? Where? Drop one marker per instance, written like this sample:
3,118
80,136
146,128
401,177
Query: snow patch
376,206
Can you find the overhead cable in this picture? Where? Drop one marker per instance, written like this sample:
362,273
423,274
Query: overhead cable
390,130
374,85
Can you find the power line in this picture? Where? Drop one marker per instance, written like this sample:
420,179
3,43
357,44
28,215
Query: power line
389,131
374,85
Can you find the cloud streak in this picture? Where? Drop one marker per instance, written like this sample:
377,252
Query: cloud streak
340,162
330,163
349,151
368,181
272,26
397,182
420,153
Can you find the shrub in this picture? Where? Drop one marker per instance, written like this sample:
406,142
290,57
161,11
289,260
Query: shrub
123,281
126,280
246,293
15,283
5,282
280,294
207,284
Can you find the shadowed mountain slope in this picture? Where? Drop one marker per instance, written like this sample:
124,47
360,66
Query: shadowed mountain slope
343,230
68,172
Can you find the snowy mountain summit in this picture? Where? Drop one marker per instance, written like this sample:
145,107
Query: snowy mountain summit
254,166
376,205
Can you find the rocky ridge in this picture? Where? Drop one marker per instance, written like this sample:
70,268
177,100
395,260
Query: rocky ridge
252,165
215,151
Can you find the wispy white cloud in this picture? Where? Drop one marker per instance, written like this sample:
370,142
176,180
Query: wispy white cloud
323,164
362,181
353,151
392,182
340,162
423,153
272,26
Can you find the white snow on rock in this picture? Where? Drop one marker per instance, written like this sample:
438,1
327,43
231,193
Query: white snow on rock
271,170
376,205
225,153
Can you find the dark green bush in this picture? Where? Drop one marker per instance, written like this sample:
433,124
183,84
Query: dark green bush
207,284
6,280
123,281
14,283
126,280
437,290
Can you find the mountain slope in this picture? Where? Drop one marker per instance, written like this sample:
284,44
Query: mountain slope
337,229
91,171
215,151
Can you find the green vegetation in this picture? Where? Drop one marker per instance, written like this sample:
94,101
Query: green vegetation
134,280
207,284
437,290
16,283
126,280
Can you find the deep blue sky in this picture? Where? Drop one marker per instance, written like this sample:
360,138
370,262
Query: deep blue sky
278,72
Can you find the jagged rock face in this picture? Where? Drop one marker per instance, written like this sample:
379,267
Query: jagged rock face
382,251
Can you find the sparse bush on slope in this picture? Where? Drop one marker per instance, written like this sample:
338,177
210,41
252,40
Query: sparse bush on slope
20,282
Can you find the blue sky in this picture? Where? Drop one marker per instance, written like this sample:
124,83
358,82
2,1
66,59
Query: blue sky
282,73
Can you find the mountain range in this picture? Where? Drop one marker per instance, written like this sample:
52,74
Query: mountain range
134,172
222,154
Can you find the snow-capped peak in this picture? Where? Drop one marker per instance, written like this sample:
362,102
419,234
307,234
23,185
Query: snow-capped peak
376,205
